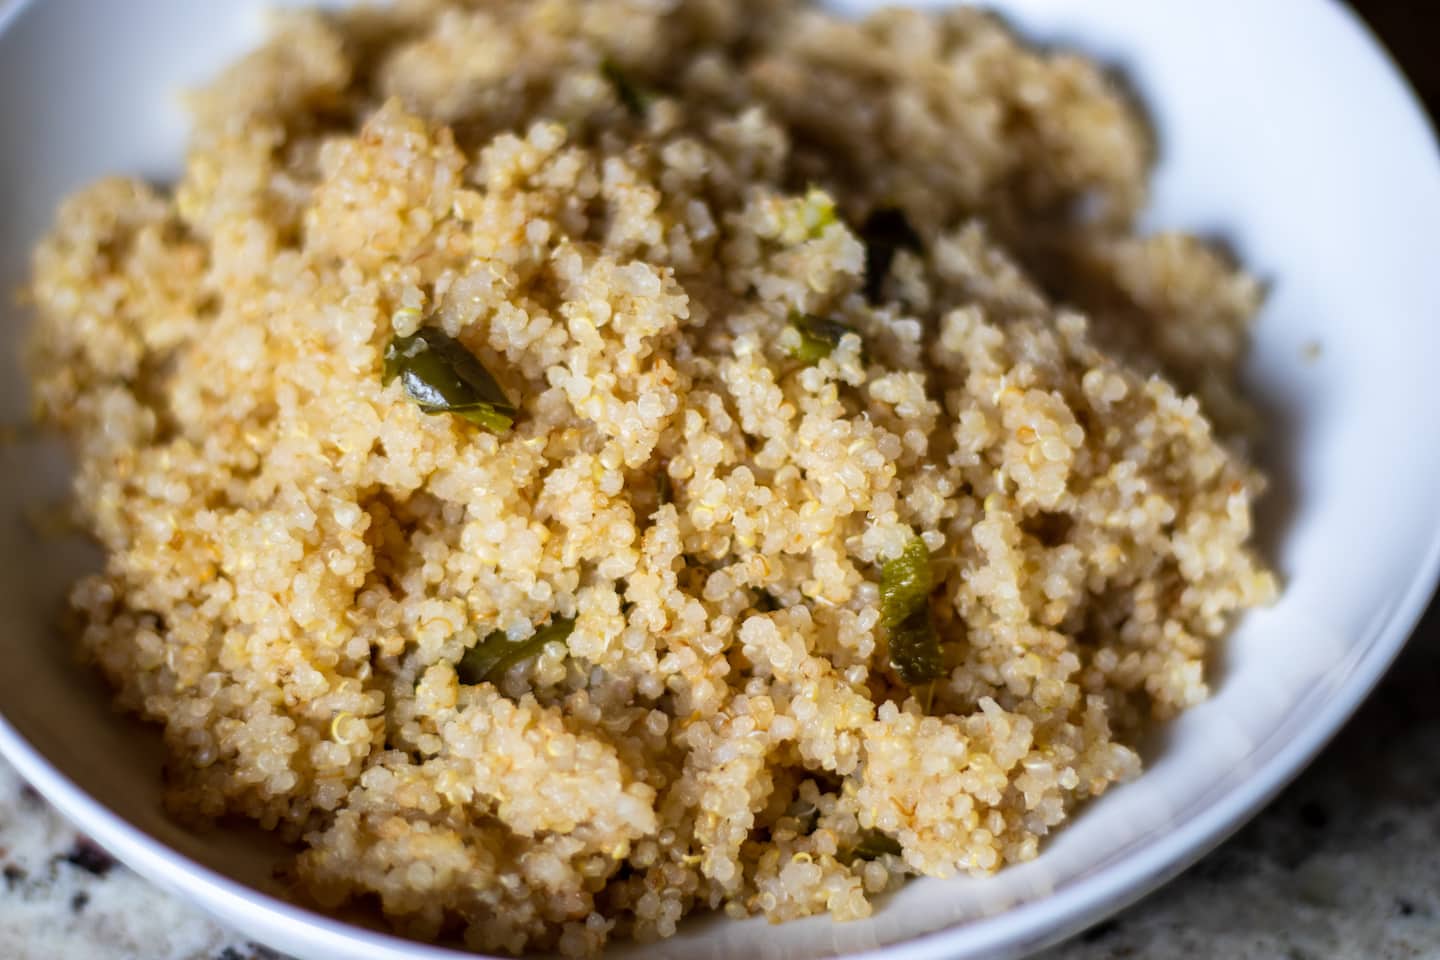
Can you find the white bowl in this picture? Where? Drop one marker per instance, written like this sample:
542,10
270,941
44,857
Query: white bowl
1283,129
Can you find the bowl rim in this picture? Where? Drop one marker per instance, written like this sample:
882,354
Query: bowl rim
1012,932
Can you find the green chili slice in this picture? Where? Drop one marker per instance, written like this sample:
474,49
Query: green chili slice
905,585
818,337
441,376
496,652
915,649
885,233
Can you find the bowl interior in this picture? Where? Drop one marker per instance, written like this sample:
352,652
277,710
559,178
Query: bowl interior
1309,159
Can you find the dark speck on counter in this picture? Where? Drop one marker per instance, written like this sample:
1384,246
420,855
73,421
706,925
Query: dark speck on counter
1314,816
89,857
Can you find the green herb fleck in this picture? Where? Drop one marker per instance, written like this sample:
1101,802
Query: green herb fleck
818,337
873,845
635,98
884,234
905,585
818,211
496,653
441,376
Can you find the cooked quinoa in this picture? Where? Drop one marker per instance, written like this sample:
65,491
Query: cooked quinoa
781,303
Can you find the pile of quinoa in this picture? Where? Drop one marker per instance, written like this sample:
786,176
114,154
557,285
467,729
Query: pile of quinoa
620,208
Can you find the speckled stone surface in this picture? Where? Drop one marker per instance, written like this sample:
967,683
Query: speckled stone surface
1345,865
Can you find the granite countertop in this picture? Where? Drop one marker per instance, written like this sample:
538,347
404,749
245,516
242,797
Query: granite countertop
1345,865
